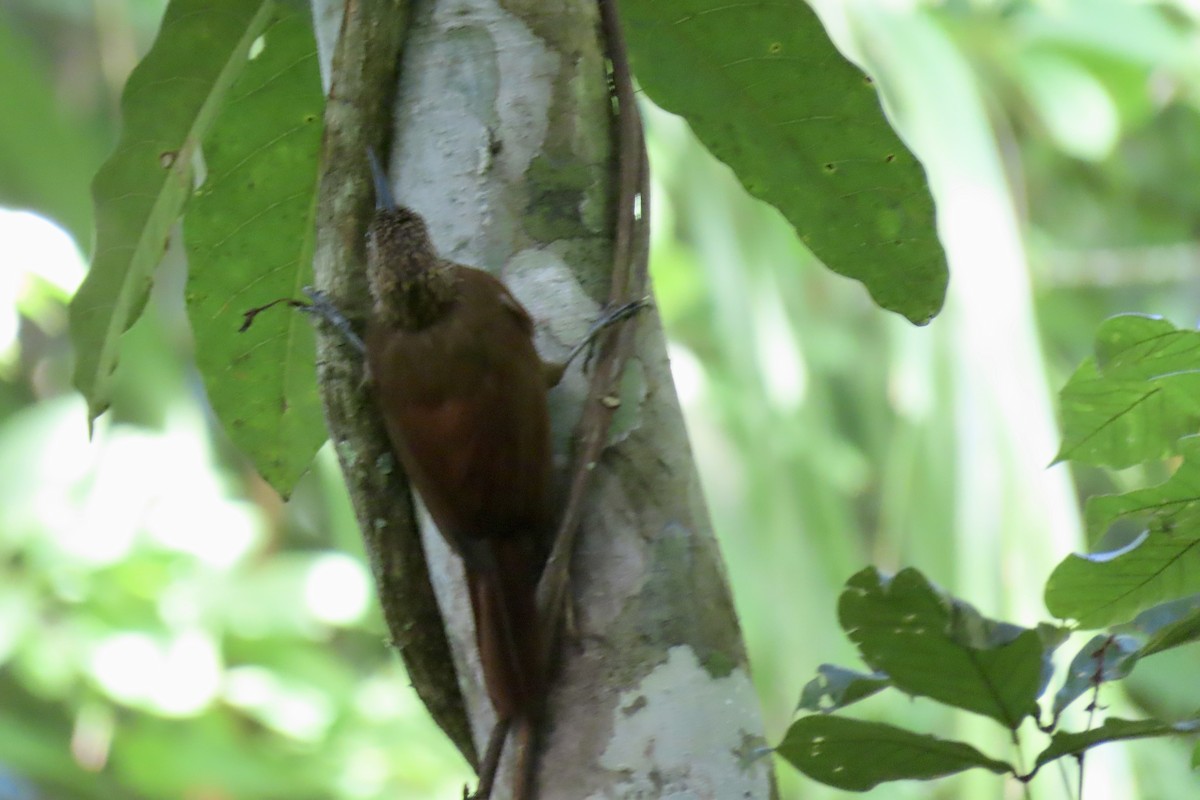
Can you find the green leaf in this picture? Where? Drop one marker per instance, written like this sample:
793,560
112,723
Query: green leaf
941,647
1170,625
1170,507
767,93
249,234
1108,588
33,731
1136,398
841,687
221,751
1162,564
46,153
1104,658
1065,743
855,755
169,102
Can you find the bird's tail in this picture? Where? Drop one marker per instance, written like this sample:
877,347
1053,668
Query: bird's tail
507,628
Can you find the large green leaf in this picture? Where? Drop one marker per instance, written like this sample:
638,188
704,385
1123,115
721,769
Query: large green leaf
766,91
1136,397
1162,564
857,755
169,102
940,647
1102,589
249,233
1172,506
1108,588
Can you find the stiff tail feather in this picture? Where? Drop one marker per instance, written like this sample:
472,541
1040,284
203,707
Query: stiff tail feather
507,628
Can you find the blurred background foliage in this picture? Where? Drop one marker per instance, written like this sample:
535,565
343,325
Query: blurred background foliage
170,629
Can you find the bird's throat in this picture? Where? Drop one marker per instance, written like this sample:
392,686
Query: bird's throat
411,296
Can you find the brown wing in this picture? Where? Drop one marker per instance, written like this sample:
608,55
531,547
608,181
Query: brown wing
465,405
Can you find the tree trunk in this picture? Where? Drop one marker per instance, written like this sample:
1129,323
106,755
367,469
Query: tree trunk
502,140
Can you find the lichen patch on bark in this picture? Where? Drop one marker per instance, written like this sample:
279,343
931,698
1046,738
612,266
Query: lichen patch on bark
673,733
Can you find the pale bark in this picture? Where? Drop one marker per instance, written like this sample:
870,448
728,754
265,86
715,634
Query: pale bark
502,141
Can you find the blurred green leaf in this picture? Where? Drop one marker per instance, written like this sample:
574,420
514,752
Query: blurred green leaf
1063,93
841,687
1136,398
766,91
1131,33
1120,43
33,737
1130,201
940,647
1104,658
249,233
1114,729
1183,628
45,158
219,753
856,755
169,102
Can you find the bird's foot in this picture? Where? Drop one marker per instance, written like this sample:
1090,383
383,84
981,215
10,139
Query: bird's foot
554,372
322,308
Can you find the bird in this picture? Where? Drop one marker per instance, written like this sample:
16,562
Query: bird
463,395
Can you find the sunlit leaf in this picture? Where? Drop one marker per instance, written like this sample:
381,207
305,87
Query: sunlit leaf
1161,565
857,755
249,233
940,647
1134,400
1108,588
766,91
169,102
836,687
1170,507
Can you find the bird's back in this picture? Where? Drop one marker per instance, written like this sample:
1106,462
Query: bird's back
464,400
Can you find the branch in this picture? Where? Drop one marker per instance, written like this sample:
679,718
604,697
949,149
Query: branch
362,85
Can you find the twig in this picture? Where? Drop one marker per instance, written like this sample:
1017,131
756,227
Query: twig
249,316
626,292
628,281
358,114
